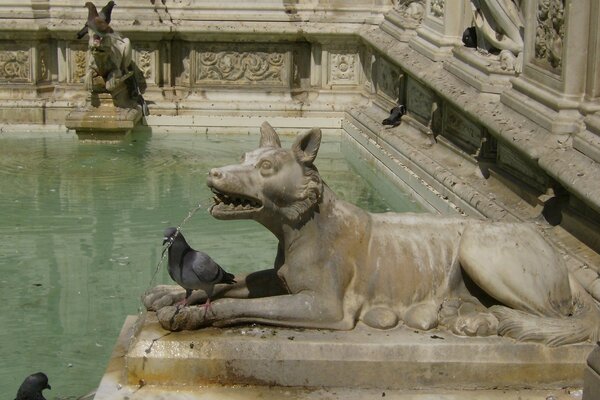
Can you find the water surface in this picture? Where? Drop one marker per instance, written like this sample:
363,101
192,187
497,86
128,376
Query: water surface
81,226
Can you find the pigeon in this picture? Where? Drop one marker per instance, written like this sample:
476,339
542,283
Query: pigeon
469,37
95,22
104,14
193,269
32,386
396,114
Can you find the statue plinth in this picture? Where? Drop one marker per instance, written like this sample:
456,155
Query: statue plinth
102,118
149,361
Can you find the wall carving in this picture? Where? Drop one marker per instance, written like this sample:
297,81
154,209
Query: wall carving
436,8
419,99
343,68
514,164
242,67
411,9
387,80
461,130
144,61
550,33
15,66
78,65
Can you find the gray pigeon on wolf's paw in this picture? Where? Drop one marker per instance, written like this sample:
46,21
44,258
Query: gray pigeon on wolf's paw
32,386
193,269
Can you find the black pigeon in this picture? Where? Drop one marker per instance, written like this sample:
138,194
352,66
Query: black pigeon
32,386
95,22
469,37
395,117
193,269
104,14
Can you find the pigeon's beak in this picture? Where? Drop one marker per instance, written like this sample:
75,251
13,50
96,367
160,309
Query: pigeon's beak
49,387
165,240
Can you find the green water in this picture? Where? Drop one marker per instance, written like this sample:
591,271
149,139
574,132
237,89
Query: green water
81,226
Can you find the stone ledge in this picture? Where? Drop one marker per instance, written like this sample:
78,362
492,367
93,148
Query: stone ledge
400,359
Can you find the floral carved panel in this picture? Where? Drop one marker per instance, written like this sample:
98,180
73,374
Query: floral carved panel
387,80
343,67
437,8
15,66
550,34
419,99
243,65
77,62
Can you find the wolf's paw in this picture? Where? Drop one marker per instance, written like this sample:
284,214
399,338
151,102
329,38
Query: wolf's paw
475,324
162,296
380,318
178,318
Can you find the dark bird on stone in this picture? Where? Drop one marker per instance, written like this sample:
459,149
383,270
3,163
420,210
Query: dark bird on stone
469,37
32,386
193,269
395,117
95,22
105,14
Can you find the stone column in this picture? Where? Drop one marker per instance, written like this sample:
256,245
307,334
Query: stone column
442,28
588,141
553,82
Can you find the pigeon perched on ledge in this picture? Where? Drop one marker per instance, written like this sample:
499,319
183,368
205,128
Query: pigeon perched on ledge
193,269
32,386
395,117
105,14
95,22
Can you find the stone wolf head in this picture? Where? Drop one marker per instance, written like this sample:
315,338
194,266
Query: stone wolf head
271,185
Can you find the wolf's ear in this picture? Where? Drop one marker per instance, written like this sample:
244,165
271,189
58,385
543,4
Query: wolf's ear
306,146
268,136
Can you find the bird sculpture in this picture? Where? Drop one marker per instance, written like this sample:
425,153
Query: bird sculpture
32,386
104,13
99,24
395,117
193,269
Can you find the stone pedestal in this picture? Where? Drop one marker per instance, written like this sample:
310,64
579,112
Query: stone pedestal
101,119
485,72
442,28
553,82
591,385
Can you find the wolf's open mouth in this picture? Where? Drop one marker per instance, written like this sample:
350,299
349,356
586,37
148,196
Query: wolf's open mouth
234,202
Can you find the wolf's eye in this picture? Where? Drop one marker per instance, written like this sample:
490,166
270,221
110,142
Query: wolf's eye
266,164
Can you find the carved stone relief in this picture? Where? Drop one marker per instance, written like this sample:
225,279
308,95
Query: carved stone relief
78,64
230,65
419,99
411,9
15,66
514,164
183,68
343,67
436,8
550,33
43,70
387,80
144,59
461,130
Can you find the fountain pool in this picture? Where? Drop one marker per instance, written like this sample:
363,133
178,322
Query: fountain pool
82,229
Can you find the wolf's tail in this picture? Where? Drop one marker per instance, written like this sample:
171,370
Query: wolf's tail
581,325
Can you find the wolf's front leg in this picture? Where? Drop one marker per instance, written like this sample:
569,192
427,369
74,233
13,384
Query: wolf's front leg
256,284
306,310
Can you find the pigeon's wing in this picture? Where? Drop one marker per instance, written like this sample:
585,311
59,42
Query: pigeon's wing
106,11
204,268
82,32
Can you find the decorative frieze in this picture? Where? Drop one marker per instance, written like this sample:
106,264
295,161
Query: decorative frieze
419,100
462,131
15,66
343,67
436,8
550,34
226,65
518,167
387,80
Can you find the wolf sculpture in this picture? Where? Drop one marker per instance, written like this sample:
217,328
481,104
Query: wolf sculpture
338,264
